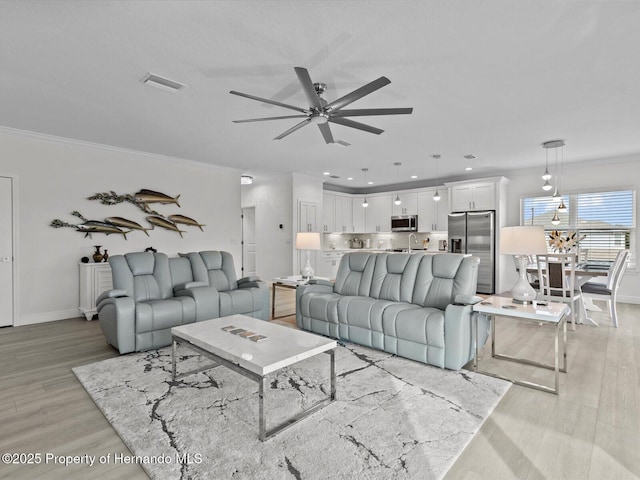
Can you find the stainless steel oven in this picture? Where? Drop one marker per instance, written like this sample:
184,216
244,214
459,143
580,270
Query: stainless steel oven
404,223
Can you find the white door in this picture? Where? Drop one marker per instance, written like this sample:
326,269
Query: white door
248,241
6,253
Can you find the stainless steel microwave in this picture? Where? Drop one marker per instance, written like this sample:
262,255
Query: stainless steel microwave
404,223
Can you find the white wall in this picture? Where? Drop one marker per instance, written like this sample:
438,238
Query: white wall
273,202
55,176
601,175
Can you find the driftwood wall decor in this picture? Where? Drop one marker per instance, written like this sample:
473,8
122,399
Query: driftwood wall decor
123,226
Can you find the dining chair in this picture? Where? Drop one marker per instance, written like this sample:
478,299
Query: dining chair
557,276
608,291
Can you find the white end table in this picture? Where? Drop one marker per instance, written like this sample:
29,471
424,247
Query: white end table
552,313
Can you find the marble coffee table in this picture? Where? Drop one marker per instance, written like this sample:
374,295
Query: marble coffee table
255,358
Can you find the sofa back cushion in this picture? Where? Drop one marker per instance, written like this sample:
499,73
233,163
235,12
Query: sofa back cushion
354,274
394,276
215,268
181,272
144,275
441,277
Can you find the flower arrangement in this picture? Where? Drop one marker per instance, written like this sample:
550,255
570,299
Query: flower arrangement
564,244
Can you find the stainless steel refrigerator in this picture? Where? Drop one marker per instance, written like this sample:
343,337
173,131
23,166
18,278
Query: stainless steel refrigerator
474,233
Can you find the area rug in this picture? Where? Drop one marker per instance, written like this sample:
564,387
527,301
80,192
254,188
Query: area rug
393,418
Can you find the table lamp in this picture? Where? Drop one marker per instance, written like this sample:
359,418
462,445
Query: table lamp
521,242
308,241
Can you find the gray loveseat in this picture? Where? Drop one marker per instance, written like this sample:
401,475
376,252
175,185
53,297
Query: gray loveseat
153,293
412,305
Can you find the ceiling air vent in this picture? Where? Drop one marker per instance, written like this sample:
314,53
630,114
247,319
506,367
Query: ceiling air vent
470,156
334,176
162,83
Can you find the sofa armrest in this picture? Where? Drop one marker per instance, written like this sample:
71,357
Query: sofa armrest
187,285
207,301
250,284
111,294
320,281
467,300
460,340
117,318
252,278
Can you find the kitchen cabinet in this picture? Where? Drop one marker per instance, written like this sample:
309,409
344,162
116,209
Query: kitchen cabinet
337,214
95,278
377,216
473,196
409,205
328,267
328,213
357,213
432,215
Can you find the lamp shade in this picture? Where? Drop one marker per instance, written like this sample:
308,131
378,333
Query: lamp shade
308,241
523,240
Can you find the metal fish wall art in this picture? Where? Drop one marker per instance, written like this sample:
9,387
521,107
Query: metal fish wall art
122,226
164,223
186,221
130,224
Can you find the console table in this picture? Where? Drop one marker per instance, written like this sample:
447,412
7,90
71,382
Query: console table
552,313
95,278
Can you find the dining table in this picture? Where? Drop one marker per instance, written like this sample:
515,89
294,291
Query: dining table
583,273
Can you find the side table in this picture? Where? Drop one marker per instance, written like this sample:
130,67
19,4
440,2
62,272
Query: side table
552,313
290,282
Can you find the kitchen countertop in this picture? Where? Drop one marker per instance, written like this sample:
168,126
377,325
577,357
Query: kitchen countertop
379,250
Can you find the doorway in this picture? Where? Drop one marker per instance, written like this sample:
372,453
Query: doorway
249,241
6,252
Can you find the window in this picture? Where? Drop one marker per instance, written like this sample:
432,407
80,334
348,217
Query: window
606,220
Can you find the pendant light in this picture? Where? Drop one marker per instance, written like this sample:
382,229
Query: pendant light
365,204
546,176
556,219
555,144
436,196
397,201
562,207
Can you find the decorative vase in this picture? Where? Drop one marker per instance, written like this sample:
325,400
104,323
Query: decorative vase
97,256
105,256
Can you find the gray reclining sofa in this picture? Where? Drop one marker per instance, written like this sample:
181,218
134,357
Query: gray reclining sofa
153,293
412,305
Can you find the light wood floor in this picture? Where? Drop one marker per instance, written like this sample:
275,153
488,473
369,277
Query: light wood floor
590,431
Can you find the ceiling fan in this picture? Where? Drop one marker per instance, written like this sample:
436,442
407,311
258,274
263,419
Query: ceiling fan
322,112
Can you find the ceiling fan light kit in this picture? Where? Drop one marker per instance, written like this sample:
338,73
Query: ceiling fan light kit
321,112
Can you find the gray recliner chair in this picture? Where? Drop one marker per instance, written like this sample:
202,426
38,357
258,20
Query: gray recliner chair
146,302
247,296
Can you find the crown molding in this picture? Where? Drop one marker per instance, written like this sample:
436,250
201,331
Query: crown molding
43,137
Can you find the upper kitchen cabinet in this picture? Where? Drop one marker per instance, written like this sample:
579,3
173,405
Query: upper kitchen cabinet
328,213
337,214
357,213
475,195
432,215
408,205
378,214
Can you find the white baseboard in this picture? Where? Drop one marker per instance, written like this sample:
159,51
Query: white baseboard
47,317
628,299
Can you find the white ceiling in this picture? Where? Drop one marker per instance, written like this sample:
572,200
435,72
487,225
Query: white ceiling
495,78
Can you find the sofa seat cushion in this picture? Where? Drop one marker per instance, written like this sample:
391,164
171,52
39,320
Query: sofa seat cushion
360,319
243,301
160,314
417,334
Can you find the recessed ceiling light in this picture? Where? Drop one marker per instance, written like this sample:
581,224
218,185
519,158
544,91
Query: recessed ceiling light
369,183
326,173
349,178
162,83
414,176
246,180
468,168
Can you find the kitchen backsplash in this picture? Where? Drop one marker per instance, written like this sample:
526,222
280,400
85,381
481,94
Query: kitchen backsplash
381,241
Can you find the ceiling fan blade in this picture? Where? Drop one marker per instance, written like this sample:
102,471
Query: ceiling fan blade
293,129
268,118
326,132
343,143
359,93
266,100
307,86
360,126
364,112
